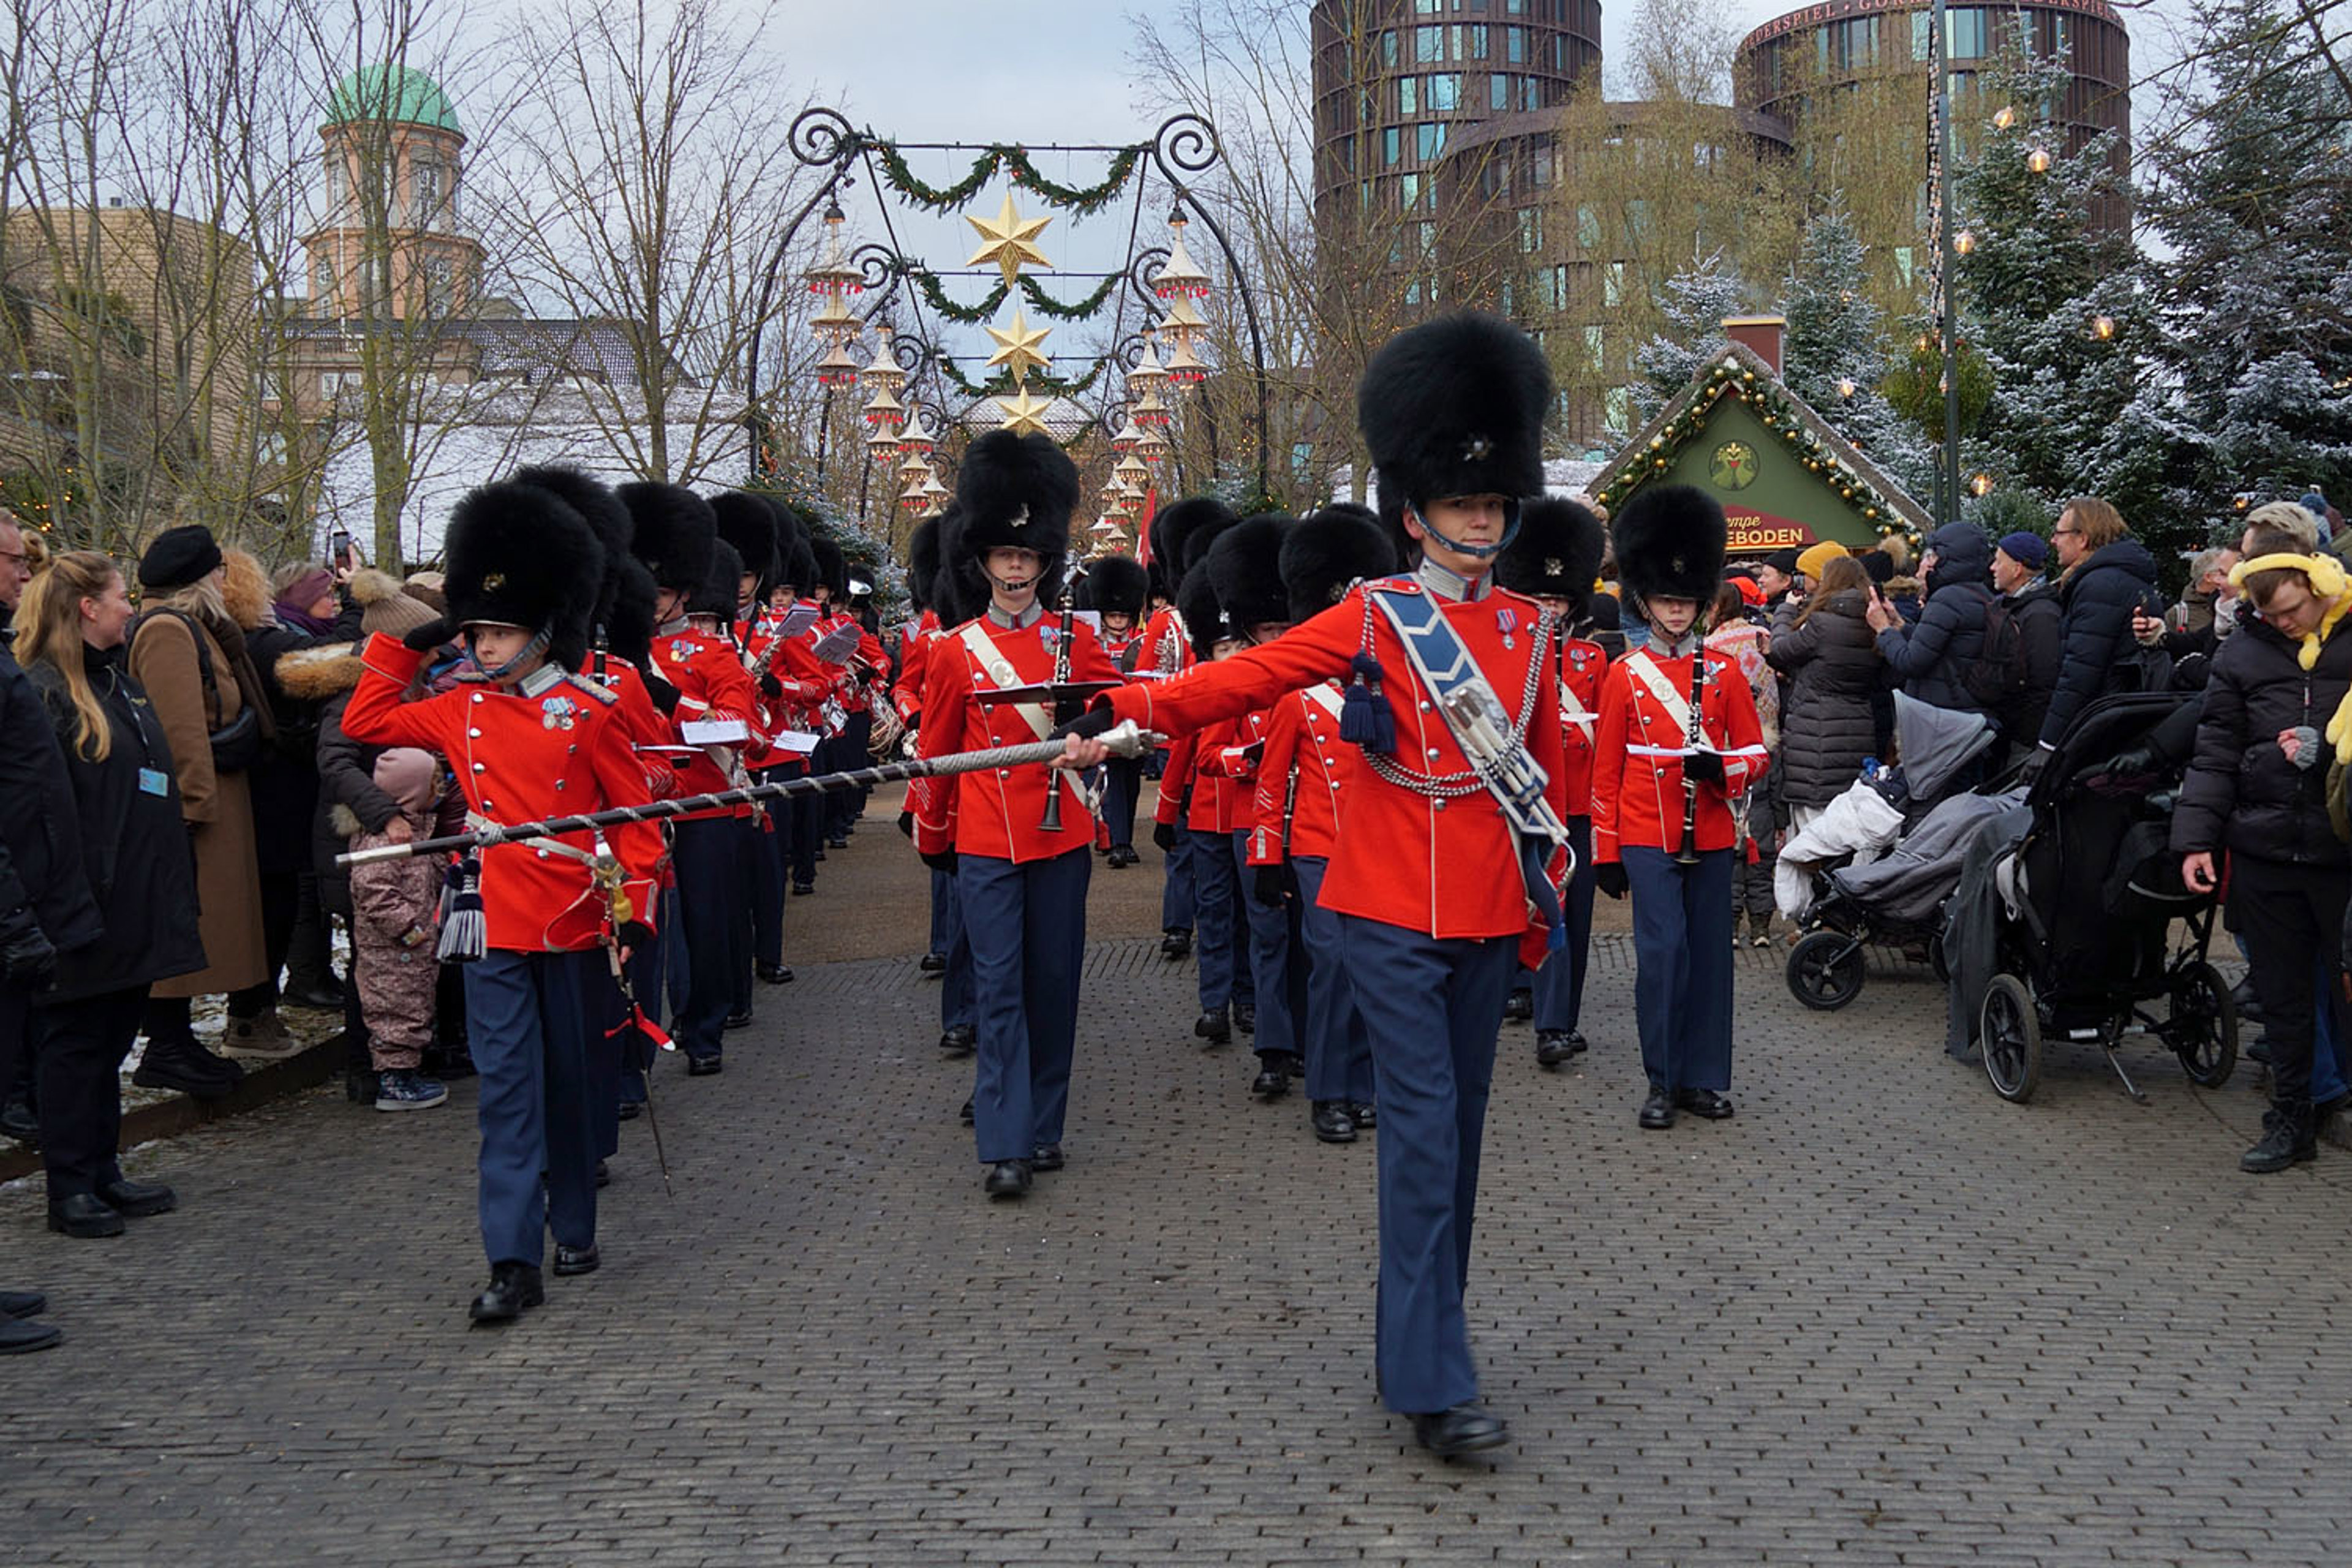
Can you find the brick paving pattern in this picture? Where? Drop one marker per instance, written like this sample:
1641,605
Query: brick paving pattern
1881,1317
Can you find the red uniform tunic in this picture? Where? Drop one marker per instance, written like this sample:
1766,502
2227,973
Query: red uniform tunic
638,716
1638,751
712,684
1445,866
1167,648
1582,667
1298,780
996,813
556,745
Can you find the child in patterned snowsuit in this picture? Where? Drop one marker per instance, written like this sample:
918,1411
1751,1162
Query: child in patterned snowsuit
395,907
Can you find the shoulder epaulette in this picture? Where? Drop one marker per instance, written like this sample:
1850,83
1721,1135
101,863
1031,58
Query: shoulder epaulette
601,693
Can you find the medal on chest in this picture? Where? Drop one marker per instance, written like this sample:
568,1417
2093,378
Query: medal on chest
559,712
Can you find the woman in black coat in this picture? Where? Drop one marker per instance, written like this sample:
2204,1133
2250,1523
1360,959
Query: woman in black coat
2257,789
137,860
1828,722
2109,574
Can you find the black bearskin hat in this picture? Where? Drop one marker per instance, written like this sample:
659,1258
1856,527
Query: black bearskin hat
602,511
629,621
672,531
1118,585
1455,407
1203,536
518,556
749,523
1015,491
796,568
1170,527
1330,549
716,595
922,561
1670,542
1206,620
832,568
1244,569
1557,554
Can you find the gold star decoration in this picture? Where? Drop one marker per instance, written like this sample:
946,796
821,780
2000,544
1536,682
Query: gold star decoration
1023,415
1008,239
1016,347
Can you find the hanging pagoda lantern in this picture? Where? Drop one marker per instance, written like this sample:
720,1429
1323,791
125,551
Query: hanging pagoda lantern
935,494
1183,323
882,445
833,276
914,435
883,374
1148,411
1180,277
1132,471
1184,366
836,368
1130,437
1152,448
884,409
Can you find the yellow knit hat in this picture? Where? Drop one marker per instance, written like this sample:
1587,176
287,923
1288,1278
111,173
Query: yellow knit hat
1813,560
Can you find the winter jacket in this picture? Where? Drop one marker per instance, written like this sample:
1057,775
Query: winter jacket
2242,794
325,676
135,850
40,843
2040,619
1931,660
1827,726
2101,656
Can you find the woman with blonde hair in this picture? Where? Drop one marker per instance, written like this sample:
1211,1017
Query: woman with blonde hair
71,633
190,656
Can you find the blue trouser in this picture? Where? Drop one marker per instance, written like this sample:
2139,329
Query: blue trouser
808,825
1026,924
1559,984
1176,898
767,873
943,914
705,852
1432,1007
843,807
525,1026
1122,781
955,985
1277,979
1216,898
1682,976
1338,1053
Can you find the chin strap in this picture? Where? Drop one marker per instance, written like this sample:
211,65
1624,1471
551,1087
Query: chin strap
1476,552
530,650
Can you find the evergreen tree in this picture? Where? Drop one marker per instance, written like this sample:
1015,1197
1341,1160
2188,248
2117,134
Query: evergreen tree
2056,306
1835,353
2248,196
1697,300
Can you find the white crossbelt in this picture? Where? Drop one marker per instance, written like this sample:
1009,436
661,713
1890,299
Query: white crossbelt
1001,674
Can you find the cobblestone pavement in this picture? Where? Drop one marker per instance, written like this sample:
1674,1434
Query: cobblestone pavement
1880,1317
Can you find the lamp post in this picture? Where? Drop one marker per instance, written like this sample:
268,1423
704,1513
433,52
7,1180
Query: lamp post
1947,473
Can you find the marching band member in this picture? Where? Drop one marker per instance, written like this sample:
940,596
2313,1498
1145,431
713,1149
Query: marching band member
1555,561
1117,589
526,739
1201,798
755,528
1439,861
1297,821
1167,651
676,538
1677,742
1022,883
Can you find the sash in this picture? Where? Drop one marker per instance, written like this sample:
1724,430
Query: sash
1572,711
1326,697
1643,668
1001,675
1482,726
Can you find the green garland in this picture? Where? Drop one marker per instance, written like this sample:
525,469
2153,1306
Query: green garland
1001,384
1078,311
936,296
1080,199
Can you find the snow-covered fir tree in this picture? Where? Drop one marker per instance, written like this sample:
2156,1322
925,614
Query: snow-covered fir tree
2247,190
1835,353
1697,300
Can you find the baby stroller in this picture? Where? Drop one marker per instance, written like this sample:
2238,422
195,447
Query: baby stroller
1897,899
2080,936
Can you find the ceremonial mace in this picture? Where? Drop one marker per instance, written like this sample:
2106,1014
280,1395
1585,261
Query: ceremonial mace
1124,739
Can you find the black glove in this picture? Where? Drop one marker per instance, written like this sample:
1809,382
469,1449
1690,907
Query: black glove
433,634
770,687
945,860
26,957
2138,760
1093,721
1706,767
2035,760
1164,834
663,694
1269,885
1609,877
635,935
907,822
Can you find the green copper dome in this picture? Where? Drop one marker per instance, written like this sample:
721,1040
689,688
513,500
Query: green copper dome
399,94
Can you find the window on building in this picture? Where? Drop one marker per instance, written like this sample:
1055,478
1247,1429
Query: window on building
1637,218
322,279
1596,348
1475,39
1390,141
1508,298
440,286
1426,7
1408,192
1425,235
1902,254
1429,141
1970,37
1389,48
1515,45
1531,230
1444,92
1613,284
1923,35
425,185
1588,227
1498,91
1515,7
1531,92
1428,45
1617,407
334,185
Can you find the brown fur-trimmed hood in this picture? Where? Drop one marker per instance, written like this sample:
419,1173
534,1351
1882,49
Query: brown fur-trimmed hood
316,674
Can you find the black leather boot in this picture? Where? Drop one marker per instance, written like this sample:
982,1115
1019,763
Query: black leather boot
1214,1026
2287,1140
512,1287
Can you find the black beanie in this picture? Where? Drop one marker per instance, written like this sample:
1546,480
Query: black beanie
178,557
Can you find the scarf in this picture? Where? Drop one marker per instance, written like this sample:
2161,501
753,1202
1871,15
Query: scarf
290,613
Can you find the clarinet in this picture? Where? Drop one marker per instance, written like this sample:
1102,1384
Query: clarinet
1688,854
1052,821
